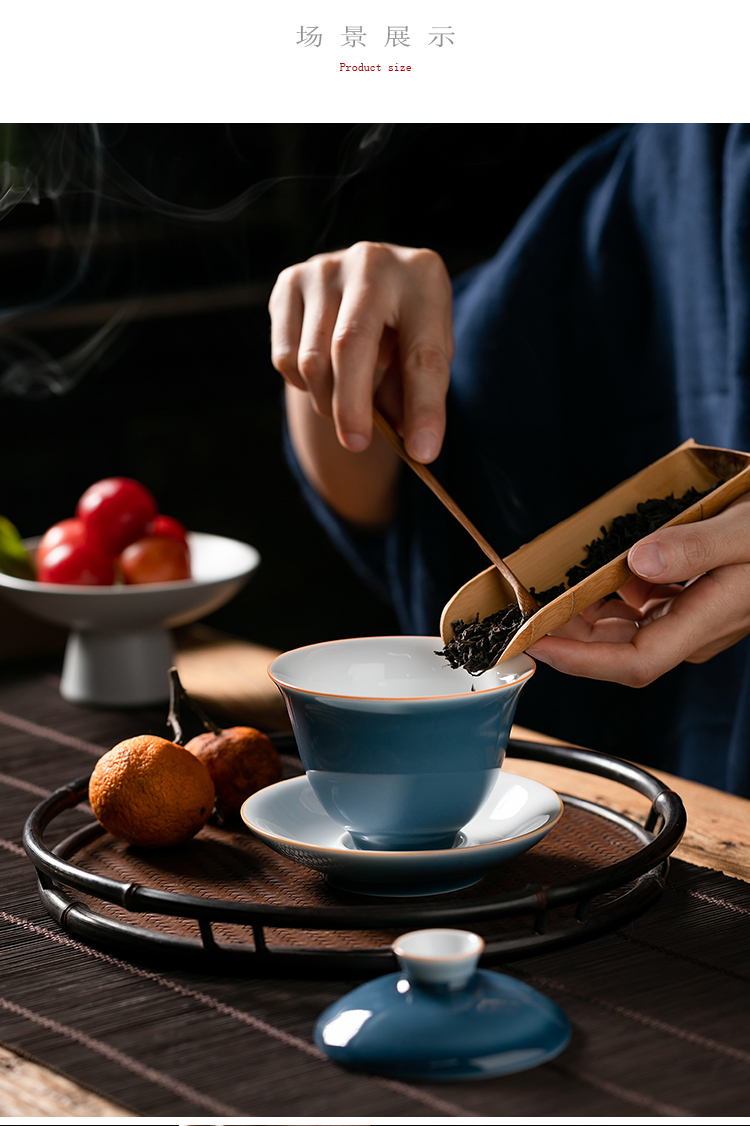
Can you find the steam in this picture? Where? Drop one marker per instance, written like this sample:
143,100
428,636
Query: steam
16,184
370,145
362,154
71,168
137,194
53,178
37,375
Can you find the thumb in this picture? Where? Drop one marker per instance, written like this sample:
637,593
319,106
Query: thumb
675,555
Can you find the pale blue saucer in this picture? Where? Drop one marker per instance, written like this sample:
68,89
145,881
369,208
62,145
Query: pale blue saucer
442,1019
289,818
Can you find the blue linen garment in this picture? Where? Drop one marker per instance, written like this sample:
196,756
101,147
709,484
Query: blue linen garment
610,326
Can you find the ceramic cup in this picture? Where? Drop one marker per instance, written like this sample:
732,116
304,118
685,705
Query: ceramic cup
400,749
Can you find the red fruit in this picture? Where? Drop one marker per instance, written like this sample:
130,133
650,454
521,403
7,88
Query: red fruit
167,526
66,531
78,564
116,511
240,761
155,559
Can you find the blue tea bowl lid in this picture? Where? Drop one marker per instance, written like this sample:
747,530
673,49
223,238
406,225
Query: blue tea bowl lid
441,1018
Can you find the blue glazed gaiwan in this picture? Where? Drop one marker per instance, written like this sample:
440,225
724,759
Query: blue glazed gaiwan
400,749
441,1018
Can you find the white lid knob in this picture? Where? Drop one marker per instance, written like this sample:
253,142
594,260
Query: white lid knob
439,956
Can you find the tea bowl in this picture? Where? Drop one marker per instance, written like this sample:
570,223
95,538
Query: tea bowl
119,650
400,749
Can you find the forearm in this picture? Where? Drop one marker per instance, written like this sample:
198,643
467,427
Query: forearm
360,487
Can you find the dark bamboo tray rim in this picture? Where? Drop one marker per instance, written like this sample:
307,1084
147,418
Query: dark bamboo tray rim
645,870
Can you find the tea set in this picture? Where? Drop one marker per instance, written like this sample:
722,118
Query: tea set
403,792
404,795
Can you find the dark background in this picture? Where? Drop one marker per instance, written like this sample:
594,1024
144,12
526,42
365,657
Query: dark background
184,397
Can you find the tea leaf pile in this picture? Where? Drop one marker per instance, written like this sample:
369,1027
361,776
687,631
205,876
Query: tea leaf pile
476,646
622,533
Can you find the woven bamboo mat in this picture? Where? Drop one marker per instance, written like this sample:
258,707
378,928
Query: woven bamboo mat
659,1008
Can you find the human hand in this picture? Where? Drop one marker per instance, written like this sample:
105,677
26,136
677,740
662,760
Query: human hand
370,324
657,624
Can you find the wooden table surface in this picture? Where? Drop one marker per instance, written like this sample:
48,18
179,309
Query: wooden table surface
230,675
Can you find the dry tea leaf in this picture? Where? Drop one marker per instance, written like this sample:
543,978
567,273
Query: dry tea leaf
476,646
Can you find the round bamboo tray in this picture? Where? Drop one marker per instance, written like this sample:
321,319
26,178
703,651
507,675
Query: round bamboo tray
226,899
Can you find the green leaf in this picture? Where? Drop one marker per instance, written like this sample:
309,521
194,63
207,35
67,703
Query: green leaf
14,558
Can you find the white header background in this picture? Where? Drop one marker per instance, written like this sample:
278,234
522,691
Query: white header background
511,60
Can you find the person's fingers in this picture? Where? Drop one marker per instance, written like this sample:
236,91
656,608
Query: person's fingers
636,592
609,608
389,394
606,629
602,660
705,618
407,291
642,596
321,297
370,300
343,323
426,350
286,307
327,320
673,555
724,602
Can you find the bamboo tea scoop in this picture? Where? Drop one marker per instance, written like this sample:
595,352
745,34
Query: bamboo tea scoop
526,601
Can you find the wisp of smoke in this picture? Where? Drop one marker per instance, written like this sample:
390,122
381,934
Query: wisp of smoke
37,375
70,166
16,184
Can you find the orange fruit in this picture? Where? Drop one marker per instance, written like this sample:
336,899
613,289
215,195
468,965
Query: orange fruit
151,792
240,761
